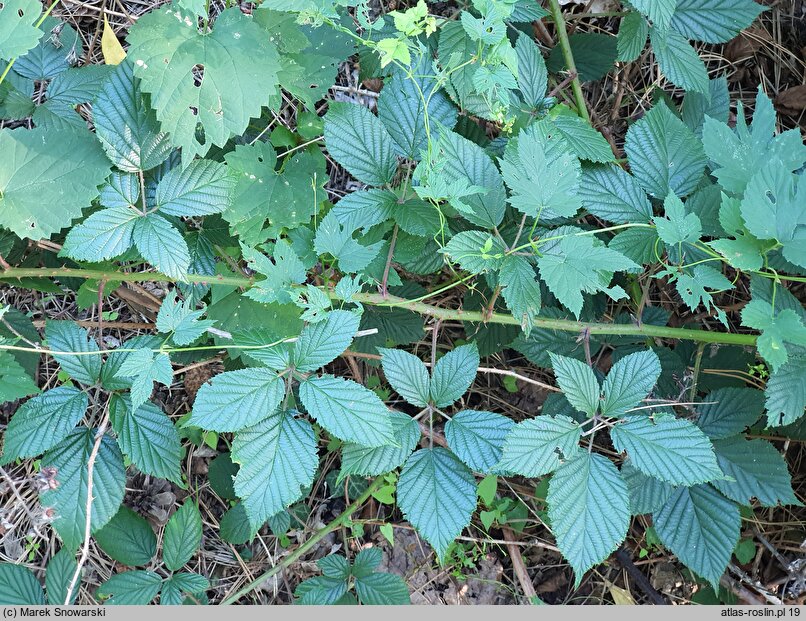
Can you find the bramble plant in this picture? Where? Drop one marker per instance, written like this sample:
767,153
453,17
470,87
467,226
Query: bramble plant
474,179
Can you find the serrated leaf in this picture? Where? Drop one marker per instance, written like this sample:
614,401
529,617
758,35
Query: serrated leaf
477,438
278,458
714,21
127,126
131,588
357,140
234,525
728,411
475,251
67,336
532,72
19,587
611,193
60,572
237,399
382,589
521,291
437,494
664,155
453,374
65,92
701,527
68,498
678,61
715,104
670,449
586,142
239,74
183,582
539,445
286,270
647,494
366,562
372,461
148,437
578,382
104,235
42,422
632,34
47,176
53,54
786,392
145,367
179,319
324,341
320,591
589,510
182,537
365,208
571,265
407,374
402,109
777,329
18,27
15,383
334,239
659,11
202,188
161,245
465,162
542,175
128,538
759,470
347,410
629,381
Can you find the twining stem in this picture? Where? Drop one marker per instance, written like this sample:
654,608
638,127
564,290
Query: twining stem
342,520
392,301
570,65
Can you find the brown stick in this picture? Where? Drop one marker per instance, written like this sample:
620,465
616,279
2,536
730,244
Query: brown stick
518,566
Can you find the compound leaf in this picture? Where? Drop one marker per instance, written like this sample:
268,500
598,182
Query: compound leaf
714,21
629,381
453,374
407,374
578,382
372,461
68,337
105,234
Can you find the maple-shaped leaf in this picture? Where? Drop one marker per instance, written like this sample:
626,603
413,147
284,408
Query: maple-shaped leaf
214,81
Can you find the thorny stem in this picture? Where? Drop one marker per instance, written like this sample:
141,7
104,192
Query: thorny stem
565,47
392,301
85,548
342,520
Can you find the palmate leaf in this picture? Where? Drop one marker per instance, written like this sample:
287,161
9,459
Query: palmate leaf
477,438
18,32
347,410
69,496
589,510
238,66
664,155
47,177
183,535
358,140
571,265
759,470
786,392
42,422
148,437
670,449
542,175
179,319
372,461
437,494
278,458
701,527
335,239
237,399
539,445
19,586
777,329
126,125
145,367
